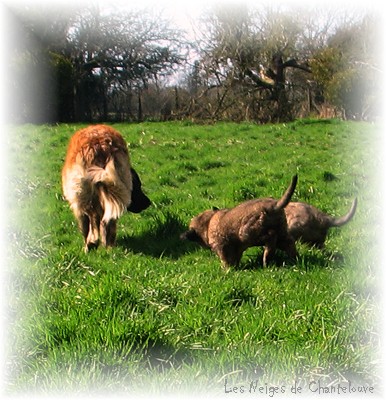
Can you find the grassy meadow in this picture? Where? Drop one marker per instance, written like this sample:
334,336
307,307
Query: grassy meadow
158,315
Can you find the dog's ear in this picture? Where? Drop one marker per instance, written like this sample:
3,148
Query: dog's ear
191,235
139,201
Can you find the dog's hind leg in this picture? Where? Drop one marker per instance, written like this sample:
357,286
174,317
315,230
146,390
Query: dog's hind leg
287,244
108,232
112,232
93,234
84,225
269,249
268,254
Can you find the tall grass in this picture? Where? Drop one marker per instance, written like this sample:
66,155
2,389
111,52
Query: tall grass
157,315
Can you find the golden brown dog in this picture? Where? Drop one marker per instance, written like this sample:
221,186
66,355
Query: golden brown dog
259,222
310,225
100,184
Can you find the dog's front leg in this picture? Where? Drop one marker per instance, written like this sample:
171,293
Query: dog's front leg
225,265
229,256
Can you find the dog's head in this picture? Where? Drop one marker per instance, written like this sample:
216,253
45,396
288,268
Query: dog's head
139,201
198,228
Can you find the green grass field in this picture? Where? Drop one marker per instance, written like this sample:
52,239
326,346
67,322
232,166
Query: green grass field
158,315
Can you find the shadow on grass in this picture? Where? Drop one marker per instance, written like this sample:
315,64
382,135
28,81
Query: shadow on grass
162,356
153,351
153,355
306,260
161,239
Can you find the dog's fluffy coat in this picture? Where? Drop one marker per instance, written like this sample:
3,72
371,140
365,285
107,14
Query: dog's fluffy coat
309,225
259,222
97,181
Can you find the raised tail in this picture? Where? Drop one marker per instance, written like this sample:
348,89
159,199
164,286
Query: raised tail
285,199
345,218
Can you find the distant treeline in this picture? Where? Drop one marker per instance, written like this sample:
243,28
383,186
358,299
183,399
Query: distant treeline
89,64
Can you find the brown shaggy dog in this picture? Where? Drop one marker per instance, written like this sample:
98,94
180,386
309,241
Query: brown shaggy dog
310,225
100,184
259,222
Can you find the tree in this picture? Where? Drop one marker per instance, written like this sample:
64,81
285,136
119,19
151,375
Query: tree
263,64
121,52
250,53
93,54
275,64
347,69
31,35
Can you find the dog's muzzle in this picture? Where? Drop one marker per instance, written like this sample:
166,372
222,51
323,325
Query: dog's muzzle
191,235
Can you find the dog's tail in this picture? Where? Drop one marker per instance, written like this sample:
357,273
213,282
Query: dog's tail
335,222
285,199
106,187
